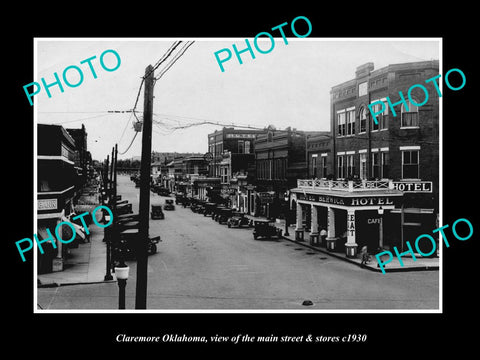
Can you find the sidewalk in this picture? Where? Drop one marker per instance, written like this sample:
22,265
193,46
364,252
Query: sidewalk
421,263
84,265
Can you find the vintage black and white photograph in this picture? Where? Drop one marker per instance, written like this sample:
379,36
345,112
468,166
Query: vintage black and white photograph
262,174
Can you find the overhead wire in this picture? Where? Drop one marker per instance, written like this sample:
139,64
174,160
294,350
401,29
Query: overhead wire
157,64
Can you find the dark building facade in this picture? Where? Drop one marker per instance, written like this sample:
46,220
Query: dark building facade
57,185
281,159
233,161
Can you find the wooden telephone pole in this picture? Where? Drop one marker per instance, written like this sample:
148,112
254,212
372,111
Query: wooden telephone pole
142,253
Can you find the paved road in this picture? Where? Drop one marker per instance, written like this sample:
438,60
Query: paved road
204,265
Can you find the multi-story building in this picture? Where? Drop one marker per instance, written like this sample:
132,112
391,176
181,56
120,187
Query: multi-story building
281,159
233,161
319,156
57,184
82,157
386,175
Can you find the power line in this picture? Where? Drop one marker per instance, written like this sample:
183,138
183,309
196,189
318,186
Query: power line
129,146
174,60
158,63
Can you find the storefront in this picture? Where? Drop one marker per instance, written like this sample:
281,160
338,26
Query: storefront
354,214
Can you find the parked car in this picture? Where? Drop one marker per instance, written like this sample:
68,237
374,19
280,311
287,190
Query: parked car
169,205
209,209
266,229
224,215
237,219
157,212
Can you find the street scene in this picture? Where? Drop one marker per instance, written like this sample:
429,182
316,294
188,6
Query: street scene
293,182
201,264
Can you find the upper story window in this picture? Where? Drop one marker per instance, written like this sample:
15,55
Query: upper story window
410,115
382,118
341,123
350,121
362,89
346,122
363,120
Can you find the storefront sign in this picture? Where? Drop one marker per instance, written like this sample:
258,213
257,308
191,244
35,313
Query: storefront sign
374,221
347,201
413,186
47,204
266,197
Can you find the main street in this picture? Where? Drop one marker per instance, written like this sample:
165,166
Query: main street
204,265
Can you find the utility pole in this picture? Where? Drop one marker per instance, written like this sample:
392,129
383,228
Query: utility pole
142,254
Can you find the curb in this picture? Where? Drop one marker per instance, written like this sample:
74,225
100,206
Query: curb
55,284
368,267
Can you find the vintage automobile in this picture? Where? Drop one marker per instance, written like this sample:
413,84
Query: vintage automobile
198,206
209,208
266,229
169,205
224,215
125,247
216,211
157,212
160,190
238,219
124,209
180,198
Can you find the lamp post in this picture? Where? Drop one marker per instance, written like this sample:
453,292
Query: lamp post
108,240
380,228
121,273
287,211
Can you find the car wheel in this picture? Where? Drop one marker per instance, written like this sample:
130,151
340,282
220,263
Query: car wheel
152,249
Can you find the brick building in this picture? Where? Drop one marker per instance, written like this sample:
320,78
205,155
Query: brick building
281,159
234,163
394,162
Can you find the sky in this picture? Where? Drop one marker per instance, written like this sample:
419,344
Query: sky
289,86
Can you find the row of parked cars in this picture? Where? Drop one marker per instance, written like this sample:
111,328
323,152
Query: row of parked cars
224,215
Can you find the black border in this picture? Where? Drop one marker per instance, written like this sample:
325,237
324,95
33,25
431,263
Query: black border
409,333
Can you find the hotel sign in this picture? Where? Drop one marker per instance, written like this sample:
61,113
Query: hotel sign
413,186
348,201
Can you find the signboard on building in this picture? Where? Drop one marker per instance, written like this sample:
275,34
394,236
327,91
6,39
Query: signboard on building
348,201
266,197
47,204
413,186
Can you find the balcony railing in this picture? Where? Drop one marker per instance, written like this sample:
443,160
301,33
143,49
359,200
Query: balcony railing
341,185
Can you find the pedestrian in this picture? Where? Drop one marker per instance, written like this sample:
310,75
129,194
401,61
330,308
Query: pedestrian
365,255
323,236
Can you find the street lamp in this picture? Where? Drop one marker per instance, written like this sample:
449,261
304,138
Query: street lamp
380,228
287,198
121,273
